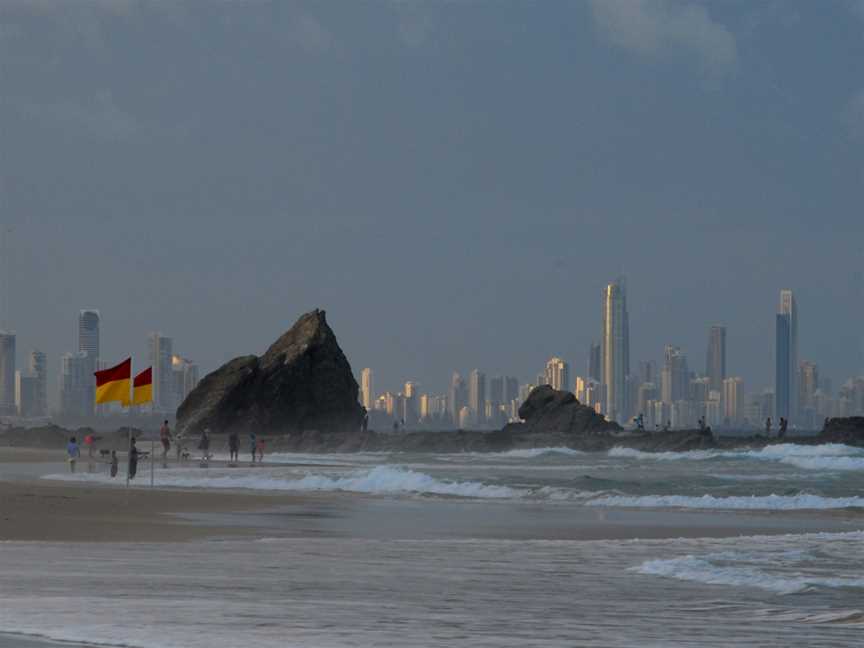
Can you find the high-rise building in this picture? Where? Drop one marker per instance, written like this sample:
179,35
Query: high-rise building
367,388
477,394
77,392
7,373
185,378
457,398
594,362
39,370
161,351
26,395
557,374
496,391
675,376
511,389
808,383
786,357
88,334
733,399
615,356
648,372
715,360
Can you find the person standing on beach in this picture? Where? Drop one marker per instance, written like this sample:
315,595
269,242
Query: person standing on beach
74,452
114,463
234,446
204,446
253,444
133,458
165,438
260,447
768,427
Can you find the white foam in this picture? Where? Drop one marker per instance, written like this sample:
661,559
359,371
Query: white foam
692,455
377,480
531,453
702,570
802,501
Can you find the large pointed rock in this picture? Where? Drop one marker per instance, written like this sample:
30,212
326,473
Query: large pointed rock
303,382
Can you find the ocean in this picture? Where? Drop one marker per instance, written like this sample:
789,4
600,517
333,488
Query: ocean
545,547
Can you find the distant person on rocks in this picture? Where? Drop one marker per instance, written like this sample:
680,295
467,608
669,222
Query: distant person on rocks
260,447
133,459
165,438
74,453
784,424
253,444
114,463
234,446
825,425
668,426
178,441
768,426
640,423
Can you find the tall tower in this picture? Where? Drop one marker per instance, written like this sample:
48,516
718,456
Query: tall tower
615,351
477,394
594,362
39,369
7,373
88,334
161,358
367,388
715,360
457,397
558,374
786,355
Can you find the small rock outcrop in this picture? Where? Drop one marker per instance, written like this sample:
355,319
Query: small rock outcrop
550,411
848,430
303,382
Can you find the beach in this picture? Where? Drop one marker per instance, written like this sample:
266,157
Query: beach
546,547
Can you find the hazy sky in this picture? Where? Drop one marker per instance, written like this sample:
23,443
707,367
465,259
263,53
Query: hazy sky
453,181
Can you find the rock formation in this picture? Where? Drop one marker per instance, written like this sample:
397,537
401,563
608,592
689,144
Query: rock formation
550,411
303,382
848,430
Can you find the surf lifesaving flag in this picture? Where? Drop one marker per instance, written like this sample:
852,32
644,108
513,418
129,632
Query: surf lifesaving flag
113,385
142,387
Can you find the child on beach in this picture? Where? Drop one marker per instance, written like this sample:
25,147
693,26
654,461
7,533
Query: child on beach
74,452
114,465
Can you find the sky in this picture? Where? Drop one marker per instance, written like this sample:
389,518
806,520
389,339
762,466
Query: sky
454,182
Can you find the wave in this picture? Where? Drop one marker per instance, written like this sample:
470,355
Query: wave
378,480
802,501
829,456
702,570
531,453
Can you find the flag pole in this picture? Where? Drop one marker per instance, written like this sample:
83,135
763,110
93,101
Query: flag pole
129,433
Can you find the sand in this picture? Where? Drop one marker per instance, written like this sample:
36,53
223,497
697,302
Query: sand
32,509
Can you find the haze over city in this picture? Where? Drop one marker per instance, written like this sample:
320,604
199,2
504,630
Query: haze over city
454,182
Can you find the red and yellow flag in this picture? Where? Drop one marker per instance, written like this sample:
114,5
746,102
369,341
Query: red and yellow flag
142,388
112,385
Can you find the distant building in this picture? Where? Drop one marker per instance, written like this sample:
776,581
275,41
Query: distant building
465,418
808,383
715,361
367,388
615,360
88,334
477,394
594,359
675,376
185,378
786,357
648,372
77,391
39,370
511,389
557,374
161,352
26,395
457,397
496,391
7,373
733,394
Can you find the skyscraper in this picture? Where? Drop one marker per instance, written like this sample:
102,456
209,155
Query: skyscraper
615,356
511,388
496,391
367,388
7,373
88,334
808,383
39,370
457,397
594,362
786,357
161,351
733,395
715,361
558,374
184,379
76,395
477,394
675,376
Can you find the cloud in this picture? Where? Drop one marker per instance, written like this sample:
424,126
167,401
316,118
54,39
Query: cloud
97,116
651,26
